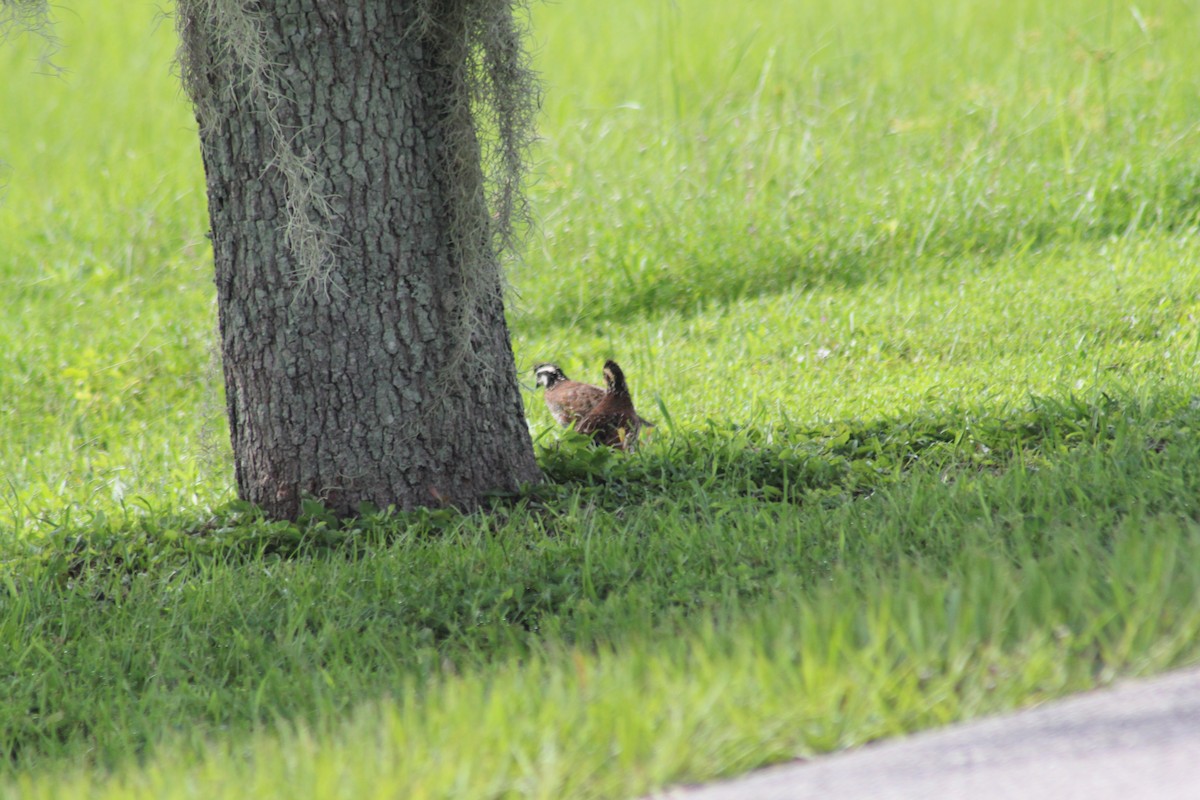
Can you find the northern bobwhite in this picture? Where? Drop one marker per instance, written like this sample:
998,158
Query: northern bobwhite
569,401
613,421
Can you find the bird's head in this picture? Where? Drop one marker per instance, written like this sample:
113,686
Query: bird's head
547,375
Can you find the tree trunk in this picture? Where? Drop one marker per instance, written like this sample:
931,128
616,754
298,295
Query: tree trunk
385,376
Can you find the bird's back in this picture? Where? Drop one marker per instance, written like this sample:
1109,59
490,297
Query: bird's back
613,421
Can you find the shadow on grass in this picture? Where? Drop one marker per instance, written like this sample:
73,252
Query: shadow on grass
125,632
668,276
841,461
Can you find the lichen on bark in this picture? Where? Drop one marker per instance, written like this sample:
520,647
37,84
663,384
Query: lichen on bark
494,87
364,166
31,17
367,357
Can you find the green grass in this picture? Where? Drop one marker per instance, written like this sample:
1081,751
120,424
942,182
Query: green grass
911,292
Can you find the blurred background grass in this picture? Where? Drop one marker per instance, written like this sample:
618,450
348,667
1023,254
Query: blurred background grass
760,209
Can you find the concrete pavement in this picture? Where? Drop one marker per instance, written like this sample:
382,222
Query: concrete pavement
1136,739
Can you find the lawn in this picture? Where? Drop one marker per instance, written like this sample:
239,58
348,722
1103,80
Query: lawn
910,290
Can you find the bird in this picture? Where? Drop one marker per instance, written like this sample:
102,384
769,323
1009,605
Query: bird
614,421
569,401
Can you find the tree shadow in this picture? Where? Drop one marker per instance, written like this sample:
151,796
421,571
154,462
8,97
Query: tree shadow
662,276
219,624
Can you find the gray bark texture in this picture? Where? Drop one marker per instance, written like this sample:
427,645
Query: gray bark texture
389,380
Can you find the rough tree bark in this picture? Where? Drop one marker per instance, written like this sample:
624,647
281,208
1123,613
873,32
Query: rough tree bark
365,349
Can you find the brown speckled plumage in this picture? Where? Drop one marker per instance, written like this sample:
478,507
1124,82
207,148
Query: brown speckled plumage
569,401
613,421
